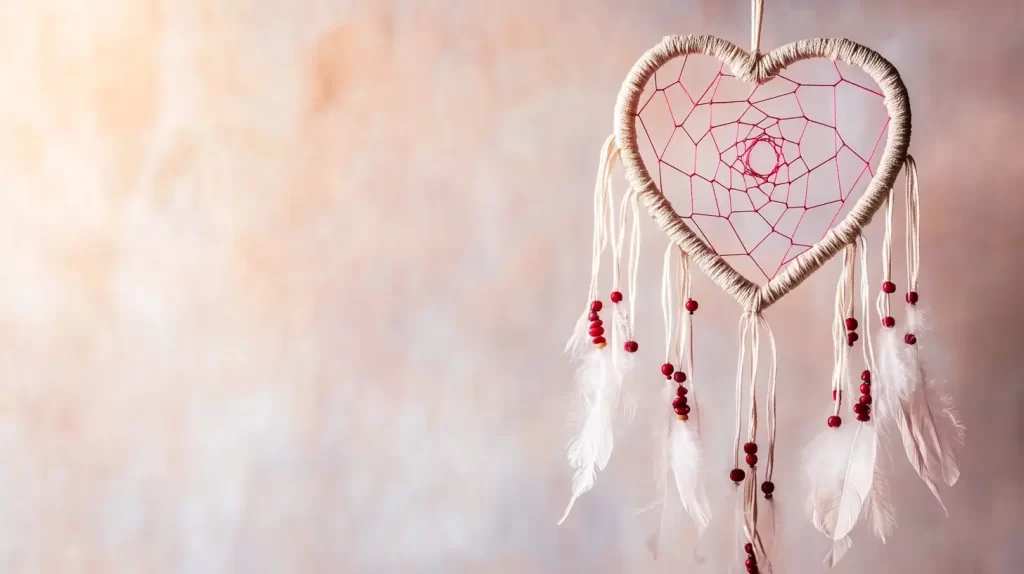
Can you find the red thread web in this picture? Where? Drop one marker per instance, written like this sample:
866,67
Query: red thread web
761,172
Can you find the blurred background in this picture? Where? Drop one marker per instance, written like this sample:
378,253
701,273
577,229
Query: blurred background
284,285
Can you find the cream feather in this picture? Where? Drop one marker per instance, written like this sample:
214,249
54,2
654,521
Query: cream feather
651,484
926,419
687,461
599,388
840,464
880,512
676,450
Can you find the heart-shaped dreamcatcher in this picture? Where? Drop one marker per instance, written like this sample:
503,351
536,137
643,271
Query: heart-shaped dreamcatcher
754,171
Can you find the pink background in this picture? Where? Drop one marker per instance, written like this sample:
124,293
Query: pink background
285,284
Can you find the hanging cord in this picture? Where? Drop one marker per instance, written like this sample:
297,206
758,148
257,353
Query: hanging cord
627,207
744,329
666,301
882,305
602,211
686,344
756,18
769,467
913,225
843,309
634,257
865,296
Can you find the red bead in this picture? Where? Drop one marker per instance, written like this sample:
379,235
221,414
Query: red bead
631,346
667,369
834,394
859,408
751,459
750,448
681,391
679,377
852,337
863,417
888,287
593,316
596,331
691,305
912,297
616,297
753,570
596,306
865,399
866,376
767,487
596,323
910,339
767,497
851,324
679,402
748,547
751,562
865,388
679,410
888,322
599,340
834,421
737,475
685,409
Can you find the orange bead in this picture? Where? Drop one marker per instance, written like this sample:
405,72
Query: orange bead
683,417
601,345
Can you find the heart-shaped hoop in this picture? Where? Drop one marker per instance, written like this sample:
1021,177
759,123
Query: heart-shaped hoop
759,68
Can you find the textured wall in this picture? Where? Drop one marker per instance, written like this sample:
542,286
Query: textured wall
284,284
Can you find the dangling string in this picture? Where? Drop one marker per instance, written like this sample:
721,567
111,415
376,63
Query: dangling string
737,441
666,301
865,296
882,304
756,18
634,253
686,343
913,225
770,464
602,211
843,309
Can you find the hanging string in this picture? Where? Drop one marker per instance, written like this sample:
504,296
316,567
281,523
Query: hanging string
865,297
882,305
634,257
913,225
844,305
770,464
744,329
756,18
627,207
602,211
686,346
666,300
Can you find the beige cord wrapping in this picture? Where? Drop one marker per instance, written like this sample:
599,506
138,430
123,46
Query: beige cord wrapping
758,68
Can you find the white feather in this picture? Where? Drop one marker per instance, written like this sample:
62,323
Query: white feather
599,387
651,482
837,551
926,419
840,464
891,380
687,461
880,513
579,342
